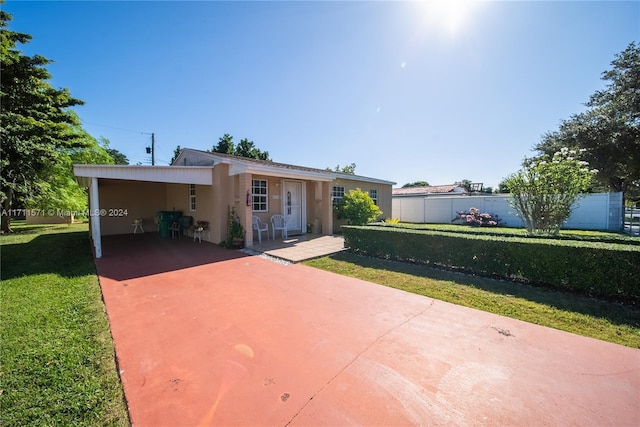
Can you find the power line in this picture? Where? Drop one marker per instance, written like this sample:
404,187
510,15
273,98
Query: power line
114,127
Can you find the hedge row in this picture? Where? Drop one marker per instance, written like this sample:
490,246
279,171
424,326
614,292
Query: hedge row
598,269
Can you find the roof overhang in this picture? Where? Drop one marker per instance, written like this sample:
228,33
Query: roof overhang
236,168
170,174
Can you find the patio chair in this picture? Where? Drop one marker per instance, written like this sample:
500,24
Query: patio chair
137,225
259,227
201,227
175,229
278,223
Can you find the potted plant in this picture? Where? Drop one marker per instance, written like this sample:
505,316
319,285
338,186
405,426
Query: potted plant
235,230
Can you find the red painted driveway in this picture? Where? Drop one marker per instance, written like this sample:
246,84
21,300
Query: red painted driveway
206,336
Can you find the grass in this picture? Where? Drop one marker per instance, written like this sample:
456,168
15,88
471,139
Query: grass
603,320
565,234
58,365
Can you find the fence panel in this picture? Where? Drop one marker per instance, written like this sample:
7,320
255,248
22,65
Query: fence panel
597,211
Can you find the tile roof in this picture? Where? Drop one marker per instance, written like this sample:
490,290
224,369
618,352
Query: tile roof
431,189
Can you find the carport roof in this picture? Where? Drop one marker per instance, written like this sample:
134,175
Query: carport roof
171,174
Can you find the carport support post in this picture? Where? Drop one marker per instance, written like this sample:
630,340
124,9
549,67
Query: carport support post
94,217
246,210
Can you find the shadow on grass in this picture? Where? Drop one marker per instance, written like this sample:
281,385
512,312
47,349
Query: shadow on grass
615,312
67,254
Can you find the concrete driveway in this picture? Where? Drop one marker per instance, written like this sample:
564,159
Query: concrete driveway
206,336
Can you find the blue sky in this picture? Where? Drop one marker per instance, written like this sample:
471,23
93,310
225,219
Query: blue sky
435,91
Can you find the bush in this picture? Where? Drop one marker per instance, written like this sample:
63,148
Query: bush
358,207
598,269
476,218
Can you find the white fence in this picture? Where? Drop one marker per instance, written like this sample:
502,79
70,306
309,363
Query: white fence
597,211
632,221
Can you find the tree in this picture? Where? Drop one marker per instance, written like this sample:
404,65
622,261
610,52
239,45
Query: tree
358,207
607,134
416,184
349,169
37,123
225,145
246,148
176,153
545,189
60,191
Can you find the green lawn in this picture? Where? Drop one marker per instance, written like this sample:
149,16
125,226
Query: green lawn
578,314
56,354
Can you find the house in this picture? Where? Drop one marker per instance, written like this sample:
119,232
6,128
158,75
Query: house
204,186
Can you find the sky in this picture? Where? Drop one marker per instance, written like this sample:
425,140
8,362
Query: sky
436,91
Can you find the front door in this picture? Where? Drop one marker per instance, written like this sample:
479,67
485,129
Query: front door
293,206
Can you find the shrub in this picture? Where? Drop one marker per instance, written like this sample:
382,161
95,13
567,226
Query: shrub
358,207
599,269
476,218
545,189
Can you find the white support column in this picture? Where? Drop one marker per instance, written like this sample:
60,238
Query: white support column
94,217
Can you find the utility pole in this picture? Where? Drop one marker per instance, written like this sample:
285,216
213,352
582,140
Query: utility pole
152,150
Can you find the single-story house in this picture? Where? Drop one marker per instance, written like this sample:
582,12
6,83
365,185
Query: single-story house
430,190
205,185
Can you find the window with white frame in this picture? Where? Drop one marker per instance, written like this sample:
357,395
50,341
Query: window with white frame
374,196
259,195
337,195
192,197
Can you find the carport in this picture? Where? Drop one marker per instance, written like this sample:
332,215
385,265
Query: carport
118,195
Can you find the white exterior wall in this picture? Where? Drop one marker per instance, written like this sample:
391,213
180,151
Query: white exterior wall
599,211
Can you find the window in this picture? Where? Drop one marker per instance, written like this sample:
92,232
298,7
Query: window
192,197
374,196
259,195
337,194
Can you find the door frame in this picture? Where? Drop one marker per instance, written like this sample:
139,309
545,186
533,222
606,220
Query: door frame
303,203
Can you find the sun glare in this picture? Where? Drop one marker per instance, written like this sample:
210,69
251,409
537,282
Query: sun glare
451,15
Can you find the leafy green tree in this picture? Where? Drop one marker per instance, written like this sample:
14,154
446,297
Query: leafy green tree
349,169
416,184
545,189
358,207
118,157
607,134
60,191
176,153
245,148
37,123
248,149
225,145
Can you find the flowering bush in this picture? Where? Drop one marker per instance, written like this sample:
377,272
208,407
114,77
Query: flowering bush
545,190
476,218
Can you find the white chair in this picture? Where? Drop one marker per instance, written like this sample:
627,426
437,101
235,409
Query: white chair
175,230
278,223
200,228
259,227
137,225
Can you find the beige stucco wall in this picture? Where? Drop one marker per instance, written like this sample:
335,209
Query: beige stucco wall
384,197
144,199
140,200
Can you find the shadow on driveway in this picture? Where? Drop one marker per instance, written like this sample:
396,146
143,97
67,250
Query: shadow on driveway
128,256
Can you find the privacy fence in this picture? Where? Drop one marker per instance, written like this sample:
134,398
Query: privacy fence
597,211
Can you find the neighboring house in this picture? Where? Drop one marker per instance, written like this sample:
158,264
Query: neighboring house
204,185
430,190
